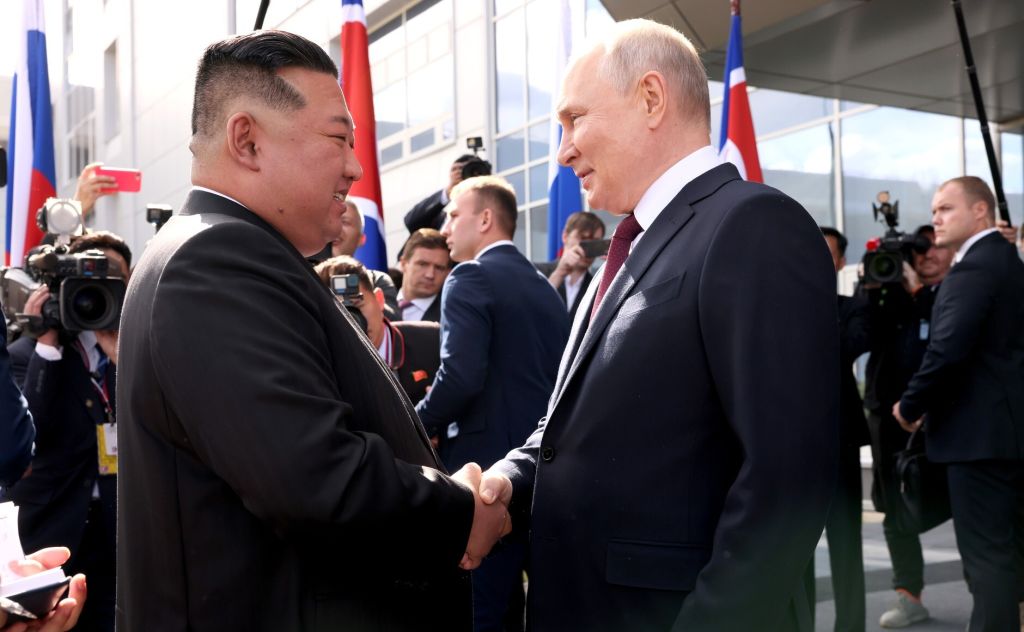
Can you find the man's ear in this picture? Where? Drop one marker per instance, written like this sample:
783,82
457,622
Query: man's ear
362,240
653,94
242,132
379,295
486,220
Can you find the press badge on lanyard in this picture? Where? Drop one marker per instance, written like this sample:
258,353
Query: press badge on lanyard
922,331
106,433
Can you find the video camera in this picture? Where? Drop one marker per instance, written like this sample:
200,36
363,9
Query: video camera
83,295
346,287
475,166
883,263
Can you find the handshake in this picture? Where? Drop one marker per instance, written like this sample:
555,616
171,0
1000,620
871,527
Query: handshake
492,493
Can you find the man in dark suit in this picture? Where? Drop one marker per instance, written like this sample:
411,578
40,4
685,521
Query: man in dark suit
843,527
70,496
969,386
502,332
274,475
570,274
682,475
429,212
16,430
425,265
412,350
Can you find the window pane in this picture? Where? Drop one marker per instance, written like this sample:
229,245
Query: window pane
715,89
425,16
421,140
518,182
539,232
539,182
504,6
541,40
389,108
389,38
539,140
597,17
773,110
390,154
511,70
906,153
800,165
519,238
510,152
716,124
1013,175
436,80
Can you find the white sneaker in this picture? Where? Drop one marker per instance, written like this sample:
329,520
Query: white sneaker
907,611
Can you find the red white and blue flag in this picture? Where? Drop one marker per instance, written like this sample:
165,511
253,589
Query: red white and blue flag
564,196
737,142
31,175
358,89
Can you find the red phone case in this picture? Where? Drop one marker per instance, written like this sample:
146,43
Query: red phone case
128,180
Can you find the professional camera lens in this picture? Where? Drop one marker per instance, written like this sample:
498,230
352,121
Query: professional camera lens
884,267
90,304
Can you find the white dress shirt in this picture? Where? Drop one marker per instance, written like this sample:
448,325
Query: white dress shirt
970,242
418,308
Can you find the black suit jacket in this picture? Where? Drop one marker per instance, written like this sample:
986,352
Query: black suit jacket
502,332
853,342
417,344
54,498
428,213
547,268
433,313
683,474
16,430
273,473
970,379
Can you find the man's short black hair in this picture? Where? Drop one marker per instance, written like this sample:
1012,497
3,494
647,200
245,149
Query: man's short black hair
840,238
102,239
248,64
463,158
925,229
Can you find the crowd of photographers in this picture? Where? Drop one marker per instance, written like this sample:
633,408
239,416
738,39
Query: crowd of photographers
65,354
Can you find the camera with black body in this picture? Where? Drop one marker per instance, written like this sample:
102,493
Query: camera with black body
883,263
475,166
346,287
158,214
83,295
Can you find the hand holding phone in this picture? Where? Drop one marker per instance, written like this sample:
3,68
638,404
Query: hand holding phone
125,180
594,248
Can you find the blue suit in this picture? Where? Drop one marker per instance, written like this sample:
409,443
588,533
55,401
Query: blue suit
16,430
503,329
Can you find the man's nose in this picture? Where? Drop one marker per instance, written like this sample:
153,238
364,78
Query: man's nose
353,170
566,149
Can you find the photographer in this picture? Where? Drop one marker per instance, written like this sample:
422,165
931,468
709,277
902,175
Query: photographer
350,240
412,350
570,274
899,316
429,212
69,498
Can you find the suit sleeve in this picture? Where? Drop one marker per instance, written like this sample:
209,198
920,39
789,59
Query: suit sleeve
426,214
245,366
16,429
41,384
854,338
965,298
466,323
768,316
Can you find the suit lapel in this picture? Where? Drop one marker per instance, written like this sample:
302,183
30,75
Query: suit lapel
669,222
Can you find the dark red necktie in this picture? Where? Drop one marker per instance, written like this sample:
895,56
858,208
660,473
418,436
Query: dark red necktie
625,233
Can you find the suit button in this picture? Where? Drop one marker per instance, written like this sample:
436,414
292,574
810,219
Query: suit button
88,403
547,454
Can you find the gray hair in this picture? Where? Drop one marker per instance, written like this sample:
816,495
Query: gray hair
634,47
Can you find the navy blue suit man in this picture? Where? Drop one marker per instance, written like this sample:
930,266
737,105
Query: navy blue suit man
968,392
16,430
503,329
683,472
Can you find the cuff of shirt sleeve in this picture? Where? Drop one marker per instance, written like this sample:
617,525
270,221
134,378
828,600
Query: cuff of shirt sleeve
48,353
444,197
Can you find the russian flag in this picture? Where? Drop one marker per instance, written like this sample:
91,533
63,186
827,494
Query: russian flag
358,89
564,196
31,175
737,142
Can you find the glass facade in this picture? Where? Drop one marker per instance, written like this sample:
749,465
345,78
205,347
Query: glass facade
411,56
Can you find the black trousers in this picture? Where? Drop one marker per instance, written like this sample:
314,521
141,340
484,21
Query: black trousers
987,498
845,551
887,438
96,557
498,599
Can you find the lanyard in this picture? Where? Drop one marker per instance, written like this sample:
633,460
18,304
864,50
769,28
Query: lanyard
98,378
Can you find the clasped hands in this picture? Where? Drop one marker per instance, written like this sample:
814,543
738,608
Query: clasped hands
492,493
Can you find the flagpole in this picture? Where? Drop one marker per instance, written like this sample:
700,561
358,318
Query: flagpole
261,14
979,106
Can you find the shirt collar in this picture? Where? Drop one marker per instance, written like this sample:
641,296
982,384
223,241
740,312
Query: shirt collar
970,242
503,242
196,187
423,302
669,184
384,348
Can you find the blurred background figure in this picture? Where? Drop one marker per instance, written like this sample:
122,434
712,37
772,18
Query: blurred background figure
350,239
424,265
570,275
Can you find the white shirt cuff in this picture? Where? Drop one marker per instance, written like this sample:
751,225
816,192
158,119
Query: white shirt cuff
48,353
